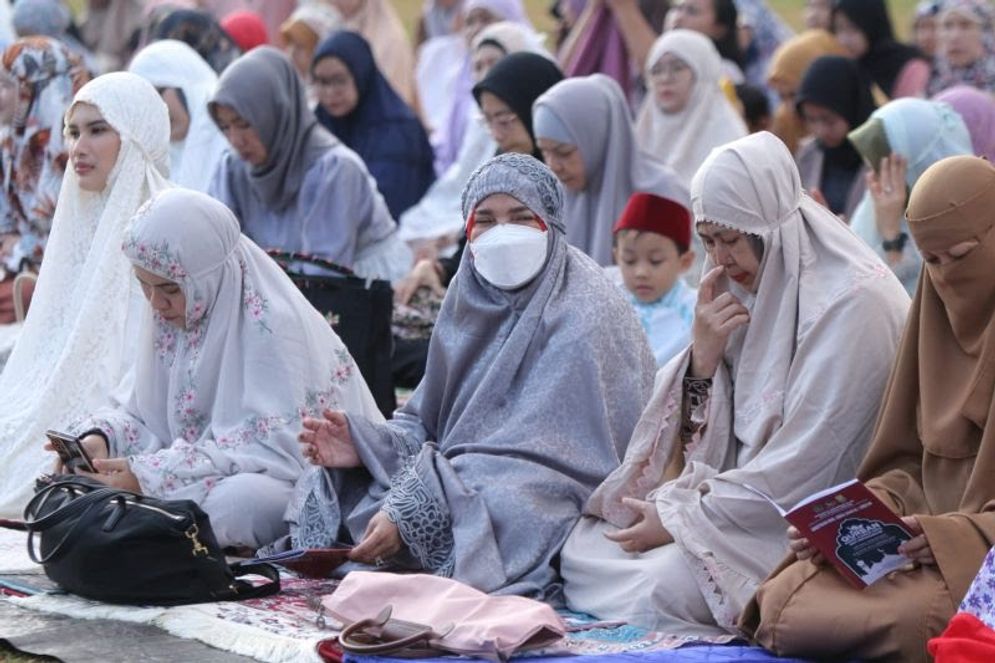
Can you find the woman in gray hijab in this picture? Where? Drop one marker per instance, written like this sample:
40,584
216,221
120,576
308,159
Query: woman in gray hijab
584,129
292,184
527,404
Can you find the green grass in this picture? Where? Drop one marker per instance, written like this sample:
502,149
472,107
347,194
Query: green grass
791,10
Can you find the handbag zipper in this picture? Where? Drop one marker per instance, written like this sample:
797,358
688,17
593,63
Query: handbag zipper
157,510
191,532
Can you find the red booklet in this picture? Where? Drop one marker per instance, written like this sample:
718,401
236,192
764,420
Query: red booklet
854,530
310,562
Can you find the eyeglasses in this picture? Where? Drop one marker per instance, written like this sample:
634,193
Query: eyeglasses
503,120
688,8
668,69
332,81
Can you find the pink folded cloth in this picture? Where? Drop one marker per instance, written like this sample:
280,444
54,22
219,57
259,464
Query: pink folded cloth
485,626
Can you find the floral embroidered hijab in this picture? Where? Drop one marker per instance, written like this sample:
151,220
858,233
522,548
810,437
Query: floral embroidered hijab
254,358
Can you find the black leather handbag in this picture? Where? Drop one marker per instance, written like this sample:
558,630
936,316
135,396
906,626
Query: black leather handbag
360,312
119,547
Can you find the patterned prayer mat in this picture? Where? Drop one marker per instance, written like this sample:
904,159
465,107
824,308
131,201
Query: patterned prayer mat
288,626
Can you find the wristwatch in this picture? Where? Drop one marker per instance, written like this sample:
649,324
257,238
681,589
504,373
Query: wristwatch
897,245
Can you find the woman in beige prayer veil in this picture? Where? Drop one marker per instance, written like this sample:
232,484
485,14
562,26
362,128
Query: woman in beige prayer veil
776,392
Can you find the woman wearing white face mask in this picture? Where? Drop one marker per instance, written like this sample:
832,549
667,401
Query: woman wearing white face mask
522,383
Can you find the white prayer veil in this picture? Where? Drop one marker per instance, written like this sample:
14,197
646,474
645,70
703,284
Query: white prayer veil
173,64
78,338
682,140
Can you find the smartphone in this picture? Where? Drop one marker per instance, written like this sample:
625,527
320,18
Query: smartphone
71,451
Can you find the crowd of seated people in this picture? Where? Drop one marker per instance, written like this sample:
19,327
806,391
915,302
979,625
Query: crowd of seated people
639,309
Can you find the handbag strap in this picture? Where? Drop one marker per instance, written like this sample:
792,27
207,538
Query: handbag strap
284,257
87,505
355,638
68,510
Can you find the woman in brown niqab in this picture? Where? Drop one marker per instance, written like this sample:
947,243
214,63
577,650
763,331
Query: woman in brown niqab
933,454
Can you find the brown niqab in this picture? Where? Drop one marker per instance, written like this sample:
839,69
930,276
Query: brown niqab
934,448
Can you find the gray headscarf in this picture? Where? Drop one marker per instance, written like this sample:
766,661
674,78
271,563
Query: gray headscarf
264,88
40,17
538,189
528,402
591,112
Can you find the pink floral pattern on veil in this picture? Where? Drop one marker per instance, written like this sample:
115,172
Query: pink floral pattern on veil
256,306
157,258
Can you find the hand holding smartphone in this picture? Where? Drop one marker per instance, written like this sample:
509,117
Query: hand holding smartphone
71,451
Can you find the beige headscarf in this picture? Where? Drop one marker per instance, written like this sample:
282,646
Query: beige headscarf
380,24
934,450
789,64
108,27
310,24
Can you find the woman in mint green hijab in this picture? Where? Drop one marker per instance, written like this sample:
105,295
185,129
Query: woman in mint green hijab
899,142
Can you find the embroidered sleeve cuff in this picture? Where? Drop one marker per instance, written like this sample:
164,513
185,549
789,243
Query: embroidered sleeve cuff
694,408
423,523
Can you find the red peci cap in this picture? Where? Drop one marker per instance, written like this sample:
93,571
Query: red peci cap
647,212
246,28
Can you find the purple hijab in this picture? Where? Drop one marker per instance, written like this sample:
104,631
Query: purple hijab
977,109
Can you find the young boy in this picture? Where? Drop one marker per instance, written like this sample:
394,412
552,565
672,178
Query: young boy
652,248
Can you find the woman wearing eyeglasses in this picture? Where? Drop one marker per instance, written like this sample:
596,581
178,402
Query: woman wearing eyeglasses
505,97
685,115
359,106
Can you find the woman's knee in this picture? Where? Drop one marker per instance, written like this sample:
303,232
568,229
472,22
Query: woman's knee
248,509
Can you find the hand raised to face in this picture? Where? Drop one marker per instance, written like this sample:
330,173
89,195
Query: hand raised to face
716,317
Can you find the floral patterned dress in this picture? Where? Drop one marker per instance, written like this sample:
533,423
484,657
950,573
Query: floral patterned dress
43,75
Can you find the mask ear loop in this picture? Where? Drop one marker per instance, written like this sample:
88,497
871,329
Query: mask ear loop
469,224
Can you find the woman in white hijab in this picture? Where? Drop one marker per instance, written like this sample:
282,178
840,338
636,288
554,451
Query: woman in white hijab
186,83
766,396
230,358
77,344
583,128
685,113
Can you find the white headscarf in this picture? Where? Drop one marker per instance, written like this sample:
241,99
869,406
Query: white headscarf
172,63
511,37
76,343
229,390
682,140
